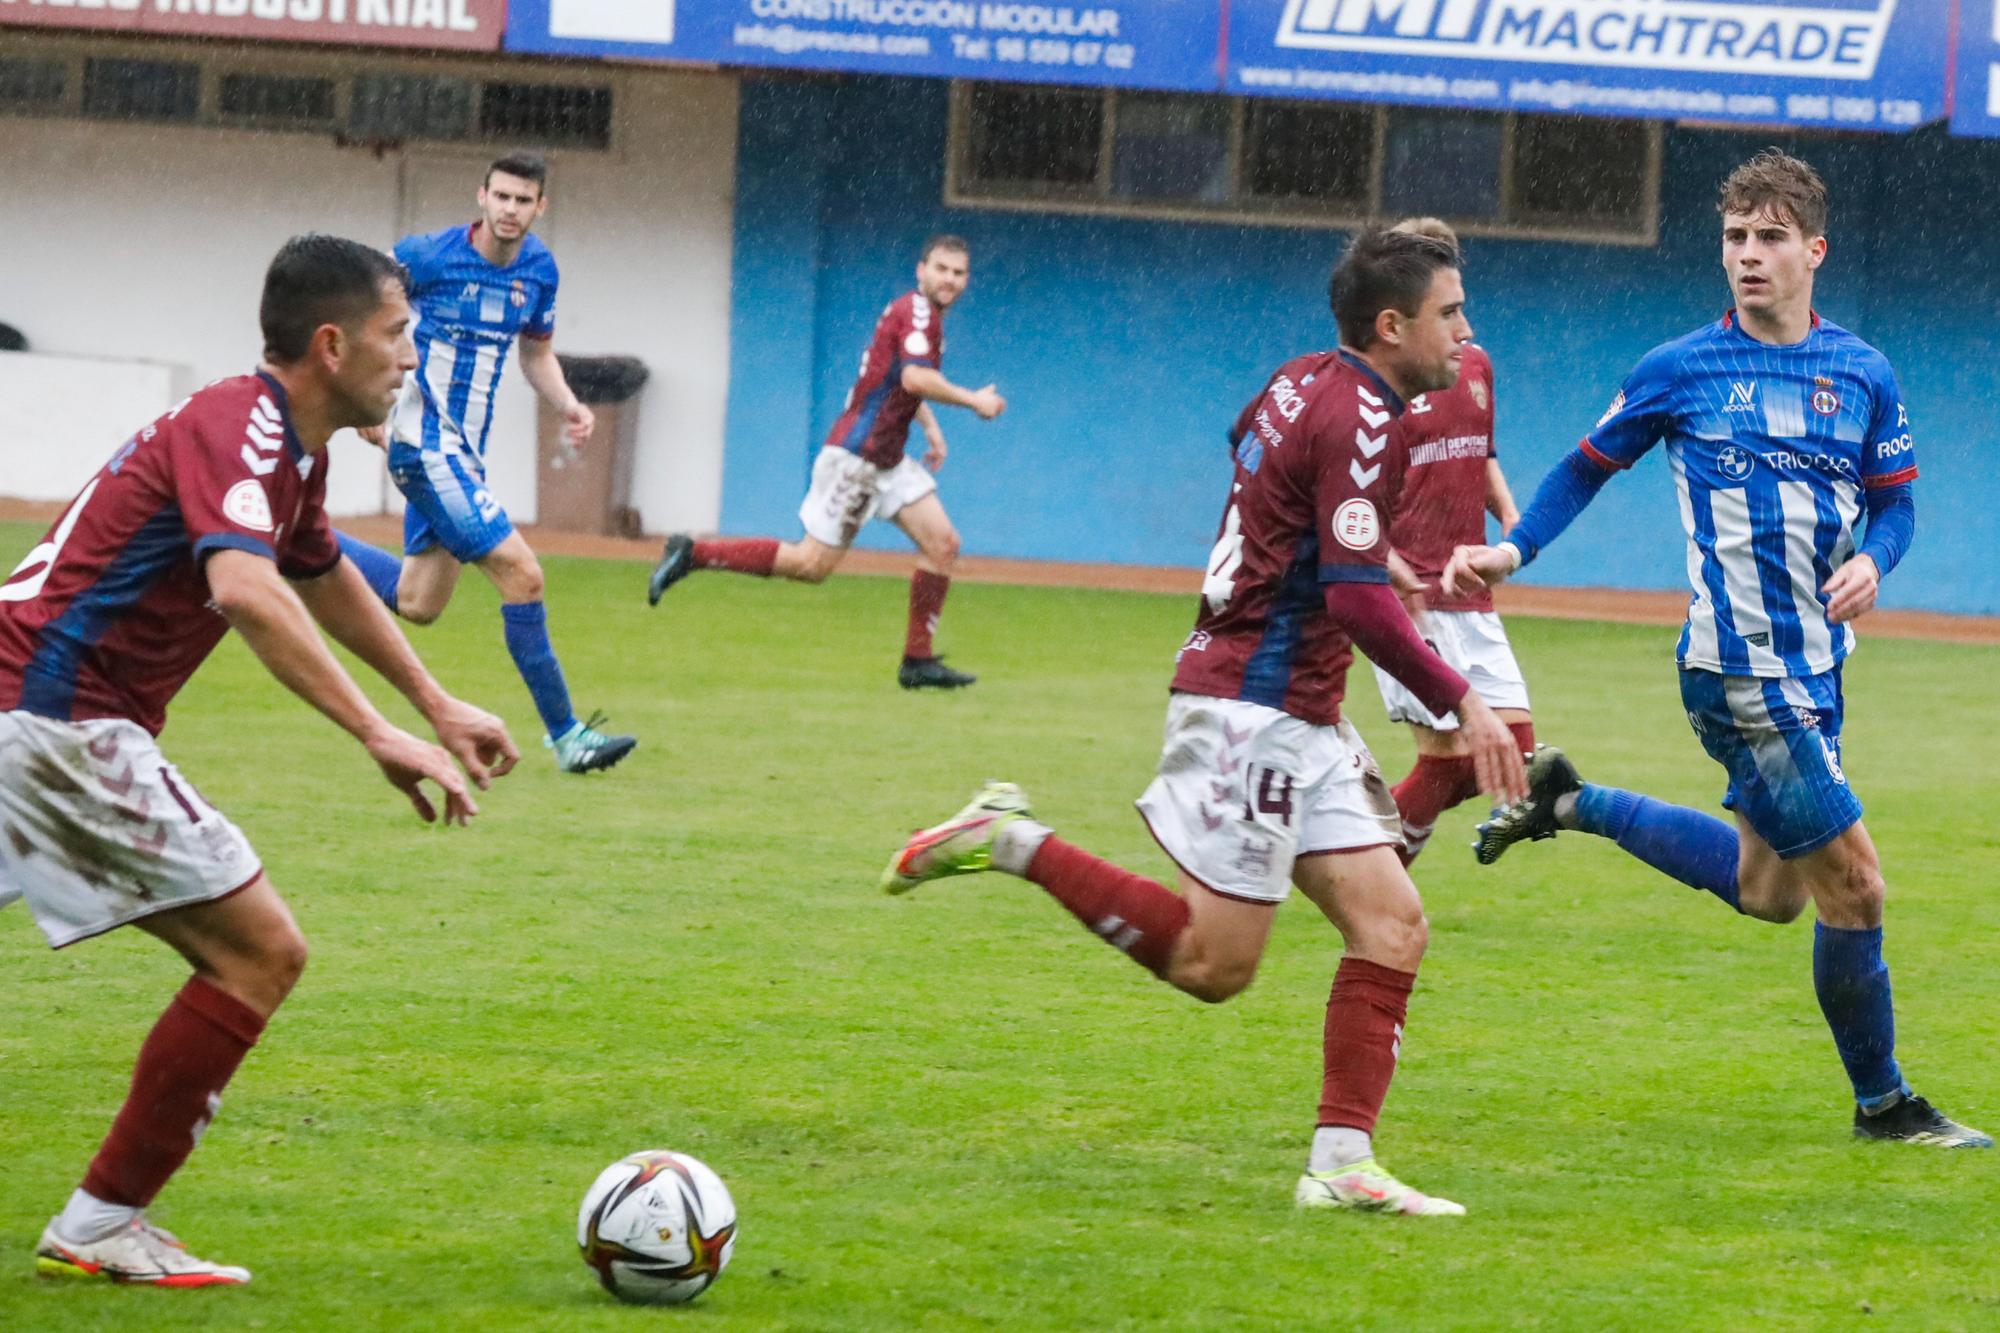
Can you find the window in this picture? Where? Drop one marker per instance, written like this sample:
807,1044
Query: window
30,84
1311,163
276,99
410,106
552,113
141,89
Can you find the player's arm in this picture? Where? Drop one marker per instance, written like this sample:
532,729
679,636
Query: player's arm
247,588
929,383
1633,424
1888,477
934,455
341,601
545,376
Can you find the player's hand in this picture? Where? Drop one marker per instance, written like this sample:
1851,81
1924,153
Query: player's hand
1404,582
1850,593
987,402
408,763
1496,755
375,435
934,456
578,423
477,739
1474,567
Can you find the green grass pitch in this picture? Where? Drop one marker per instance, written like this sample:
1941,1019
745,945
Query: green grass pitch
960,1111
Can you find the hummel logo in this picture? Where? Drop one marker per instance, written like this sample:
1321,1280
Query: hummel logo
1368,397
1419,405
1375,419
1364,477
1370,445
267,434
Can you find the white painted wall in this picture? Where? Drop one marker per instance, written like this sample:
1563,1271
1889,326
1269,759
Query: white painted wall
49,405
149,243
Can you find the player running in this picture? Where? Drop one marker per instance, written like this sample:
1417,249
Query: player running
1780,428
1453,480
863,473
476,288
209,519
1261,780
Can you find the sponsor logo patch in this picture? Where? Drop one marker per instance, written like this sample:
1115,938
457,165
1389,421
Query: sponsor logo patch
1735,462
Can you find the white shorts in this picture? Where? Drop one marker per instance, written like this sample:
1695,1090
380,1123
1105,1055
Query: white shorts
1245,790
848,490
1472,643
97,829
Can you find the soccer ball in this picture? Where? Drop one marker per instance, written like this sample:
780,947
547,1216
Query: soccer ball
657,1227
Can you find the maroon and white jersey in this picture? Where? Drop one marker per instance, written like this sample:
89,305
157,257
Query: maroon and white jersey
876,420
1449,435
1317,473
110,614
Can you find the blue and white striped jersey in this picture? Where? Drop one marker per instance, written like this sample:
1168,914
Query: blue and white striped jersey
468,313
1771,448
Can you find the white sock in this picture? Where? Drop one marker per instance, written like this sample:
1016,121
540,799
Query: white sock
1335,1146
86,1218
1015,844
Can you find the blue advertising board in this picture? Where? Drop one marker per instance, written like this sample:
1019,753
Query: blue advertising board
1975,107
1116,43
1847,64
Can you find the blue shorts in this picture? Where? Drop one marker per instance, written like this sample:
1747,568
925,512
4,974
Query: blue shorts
1780,741
449,504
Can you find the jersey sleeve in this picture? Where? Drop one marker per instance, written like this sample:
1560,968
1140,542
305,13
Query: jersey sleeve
1247,418
1889,457
411,252
221,466
542,319
1638,417
1353,491
918,341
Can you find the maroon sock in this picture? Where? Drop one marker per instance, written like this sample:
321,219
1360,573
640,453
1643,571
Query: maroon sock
1129,911
927,592
1436,784
177,1085
744,555
1524,736
1364,1032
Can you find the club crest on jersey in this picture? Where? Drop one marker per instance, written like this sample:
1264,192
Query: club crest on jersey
247,506
1478,391
916,344
518,294
1825,402
1735,462
1356,525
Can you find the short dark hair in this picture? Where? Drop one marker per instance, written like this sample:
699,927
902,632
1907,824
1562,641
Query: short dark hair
1383,269
944,240
317,279
528,166
1776,183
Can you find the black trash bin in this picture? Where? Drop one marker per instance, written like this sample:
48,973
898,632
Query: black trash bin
590,489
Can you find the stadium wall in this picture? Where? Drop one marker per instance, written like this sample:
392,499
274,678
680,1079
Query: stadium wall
148,243
1126,346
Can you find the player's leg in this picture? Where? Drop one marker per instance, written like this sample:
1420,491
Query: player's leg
1197,940
382,570
515,572
924,521
425,584
840,498
1350,868
1476,646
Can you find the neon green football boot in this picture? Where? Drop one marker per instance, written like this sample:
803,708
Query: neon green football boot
962,845
1366,1188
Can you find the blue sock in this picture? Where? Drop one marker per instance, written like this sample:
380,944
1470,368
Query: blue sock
527,625
1698,850
381,569
1852,982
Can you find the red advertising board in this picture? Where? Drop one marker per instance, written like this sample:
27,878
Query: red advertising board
474,25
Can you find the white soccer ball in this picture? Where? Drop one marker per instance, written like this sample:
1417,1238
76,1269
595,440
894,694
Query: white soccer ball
657,1227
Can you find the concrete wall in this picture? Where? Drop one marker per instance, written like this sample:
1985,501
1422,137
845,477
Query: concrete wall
149,242
1126,346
